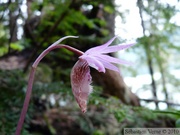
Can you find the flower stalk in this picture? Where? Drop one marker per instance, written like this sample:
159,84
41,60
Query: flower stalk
55,45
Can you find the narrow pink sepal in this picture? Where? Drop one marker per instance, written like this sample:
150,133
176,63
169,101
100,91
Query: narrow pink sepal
101,47
109,65
112,59
93,62
115,48
80,83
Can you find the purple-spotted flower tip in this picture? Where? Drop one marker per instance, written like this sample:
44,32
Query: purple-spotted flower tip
97,58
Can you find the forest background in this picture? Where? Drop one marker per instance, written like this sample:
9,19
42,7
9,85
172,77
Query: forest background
143,95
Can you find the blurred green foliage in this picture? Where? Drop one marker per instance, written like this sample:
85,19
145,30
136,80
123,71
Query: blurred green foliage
104,115
12,90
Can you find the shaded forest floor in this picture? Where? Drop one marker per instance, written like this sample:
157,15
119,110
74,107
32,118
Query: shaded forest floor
59,122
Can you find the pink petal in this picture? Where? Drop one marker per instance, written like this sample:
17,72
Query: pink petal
93,62
80,83
98,49
112,59
116,48
108,65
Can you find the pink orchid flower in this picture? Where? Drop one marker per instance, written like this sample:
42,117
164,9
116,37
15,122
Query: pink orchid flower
80,75
97,58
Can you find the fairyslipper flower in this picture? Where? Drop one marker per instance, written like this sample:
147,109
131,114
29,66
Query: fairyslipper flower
80,75
97,58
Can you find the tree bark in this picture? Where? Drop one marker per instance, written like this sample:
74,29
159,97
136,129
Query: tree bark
111,81
12,26
148,54
113,84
